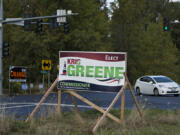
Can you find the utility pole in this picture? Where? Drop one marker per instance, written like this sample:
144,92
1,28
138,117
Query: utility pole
1,46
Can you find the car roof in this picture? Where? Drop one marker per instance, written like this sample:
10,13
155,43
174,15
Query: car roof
152,76
157,76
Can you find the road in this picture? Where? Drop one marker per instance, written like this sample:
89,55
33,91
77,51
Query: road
21,106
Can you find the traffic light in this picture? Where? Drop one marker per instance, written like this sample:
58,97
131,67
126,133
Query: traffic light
166,24
27,24
53,23
66,28
39,26
5,50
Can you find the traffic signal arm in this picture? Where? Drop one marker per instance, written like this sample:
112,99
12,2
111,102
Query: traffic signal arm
36,18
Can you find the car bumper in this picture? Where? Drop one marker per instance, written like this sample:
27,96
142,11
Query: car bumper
168,92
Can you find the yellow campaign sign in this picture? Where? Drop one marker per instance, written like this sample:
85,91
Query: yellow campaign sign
46,64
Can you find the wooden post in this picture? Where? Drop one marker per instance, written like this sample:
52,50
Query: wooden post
59,103
109,108
134,97
76,109
42,99
122,105
59,99
93,105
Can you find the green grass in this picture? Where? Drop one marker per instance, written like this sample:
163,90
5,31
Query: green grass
155,122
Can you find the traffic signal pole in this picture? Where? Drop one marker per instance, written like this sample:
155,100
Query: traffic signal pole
1,46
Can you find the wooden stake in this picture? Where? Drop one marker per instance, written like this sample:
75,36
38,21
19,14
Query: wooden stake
59,99
93,105
122,105
76,109
134,97
42,99
109,108
59,103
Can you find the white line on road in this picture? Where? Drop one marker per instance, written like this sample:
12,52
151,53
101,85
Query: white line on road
21,105
10,107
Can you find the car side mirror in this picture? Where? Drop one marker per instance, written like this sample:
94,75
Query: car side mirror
151,82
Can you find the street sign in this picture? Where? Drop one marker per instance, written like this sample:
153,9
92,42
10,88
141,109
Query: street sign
41,86
31,85
63,13
46,64
17,74
24,87
43,72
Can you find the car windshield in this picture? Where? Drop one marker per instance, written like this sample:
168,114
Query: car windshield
162,79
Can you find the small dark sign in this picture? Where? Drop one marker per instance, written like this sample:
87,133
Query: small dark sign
17,74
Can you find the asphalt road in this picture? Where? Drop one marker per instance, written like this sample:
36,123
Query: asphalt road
21,106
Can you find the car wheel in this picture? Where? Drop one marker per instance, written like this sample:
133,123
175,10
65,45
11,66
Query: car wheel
138,92
156,92
176,95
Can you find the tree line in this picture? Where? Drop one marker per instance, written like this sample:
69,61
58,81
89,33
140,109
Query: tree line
135,27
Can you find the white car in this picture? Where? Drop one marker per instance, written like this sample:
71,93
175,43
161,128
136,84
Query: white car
156,85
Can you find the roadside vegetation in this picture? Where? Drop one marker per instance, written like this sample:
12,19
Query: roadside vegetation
155,122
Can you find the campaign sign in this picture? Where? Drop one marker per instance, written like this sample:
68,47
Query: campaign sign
95,71
17,74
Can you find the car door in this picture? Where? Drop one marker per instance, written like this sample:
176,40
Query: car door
149,85
145,85
142,84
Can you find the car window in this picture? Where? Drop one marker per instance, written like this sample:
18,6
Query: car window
149,79
144,79
162,79
141,79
